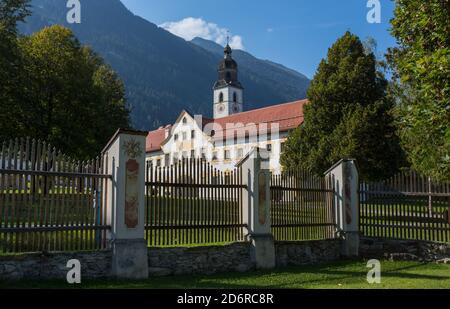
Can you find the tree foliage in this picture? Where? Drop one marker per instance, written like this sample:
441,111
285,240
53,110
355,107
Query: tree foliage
11,12
73,99
55,89
421,64
348,115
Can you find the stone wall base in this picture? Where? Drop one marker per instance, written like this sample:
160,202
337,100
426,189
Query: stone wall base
392,249
33,266
307,252
199,260
205,260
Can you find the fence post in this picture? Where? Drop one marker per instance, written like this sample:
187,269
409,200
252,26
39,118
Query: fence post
256,207
344,177
126,204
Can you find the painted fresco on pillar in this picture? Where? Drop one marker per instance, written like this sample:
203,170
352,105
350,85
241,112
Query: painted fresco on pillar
132,150
348,193
262,209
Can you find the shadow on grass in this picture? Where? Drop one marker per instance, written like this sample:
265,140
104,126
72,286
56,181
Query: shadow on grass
347,272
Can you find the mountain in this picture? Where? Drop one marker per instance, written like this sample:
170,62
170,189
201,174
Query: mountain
163,73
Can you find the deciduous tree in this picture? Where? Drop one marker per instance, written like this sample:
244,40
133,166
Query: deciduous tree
73,99
421,64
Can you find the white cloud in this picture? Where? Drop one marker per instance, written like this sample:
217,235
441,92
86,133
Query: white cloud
191,27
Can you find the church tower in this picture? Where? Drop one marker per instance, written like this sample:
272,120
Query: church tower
228,91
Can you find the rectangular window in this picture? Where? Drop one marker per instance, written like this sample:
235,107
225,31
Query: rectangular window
240,153
192,134
158,162
214,156
226,155
175,137
269,147
282,147
192,154
247,138
167,160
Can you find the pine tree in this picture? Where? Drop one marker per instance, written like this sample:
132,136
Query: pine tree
348,115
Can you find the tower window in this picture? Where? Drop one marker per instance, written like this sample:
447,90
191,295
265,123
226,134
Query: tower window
221,97
234,97
184,120
228,76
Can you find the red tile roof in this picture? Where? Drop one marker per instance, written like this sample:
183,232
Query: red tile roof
288,116
155,138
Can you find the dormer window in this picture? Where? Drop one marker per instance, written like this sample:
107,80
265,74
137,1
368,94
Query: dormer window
221,97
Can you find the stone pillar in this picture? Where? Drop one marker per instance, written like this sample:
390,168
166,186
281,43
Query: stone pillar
256,207
126,204
344,177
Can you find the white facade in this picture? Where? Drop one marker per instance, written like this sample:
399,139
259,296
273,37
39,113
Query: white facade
228,101
195,137
187,139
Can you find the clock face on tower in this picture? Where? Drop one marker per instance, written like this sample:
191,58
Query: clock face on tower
221,108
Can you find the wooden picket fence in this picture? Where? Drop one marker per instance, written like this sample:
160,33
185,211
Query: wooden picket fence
49,202
191,203
302,206
406,206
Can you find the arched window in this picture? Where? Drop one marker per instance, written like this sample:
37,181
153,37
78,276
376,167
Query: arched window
184,120
234,97
228,76
221,97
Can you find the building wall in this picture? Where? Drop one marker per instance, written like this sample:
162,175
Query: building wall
202,142
227,101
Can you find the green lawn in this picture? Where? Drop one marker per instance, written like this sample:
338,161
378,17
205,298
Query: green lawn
341,275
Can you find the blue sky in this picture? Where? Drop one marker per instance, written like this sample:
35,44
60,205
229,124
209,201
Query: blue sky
295,33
